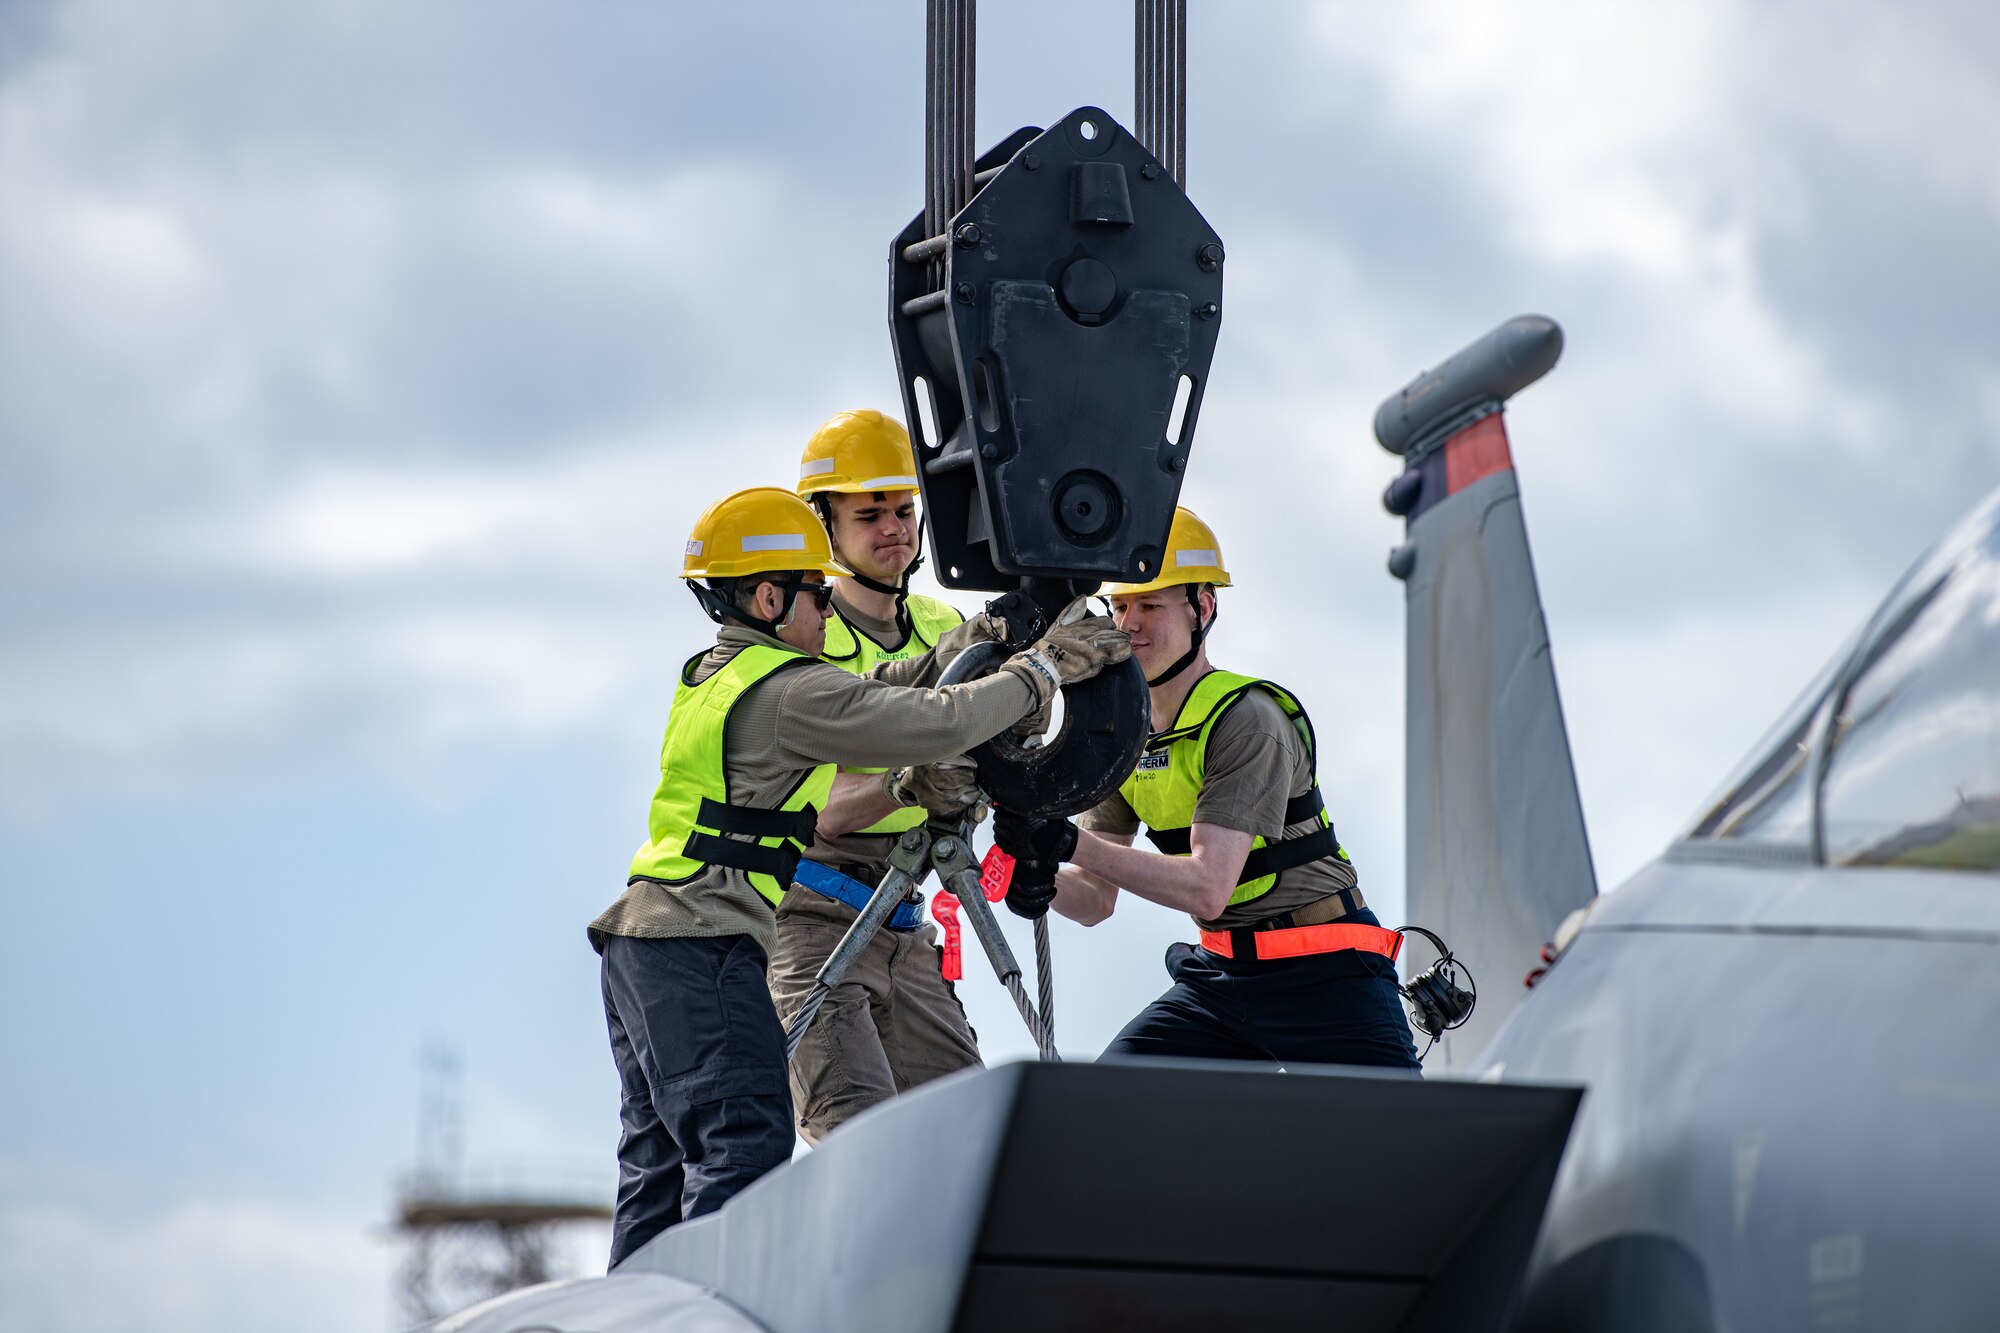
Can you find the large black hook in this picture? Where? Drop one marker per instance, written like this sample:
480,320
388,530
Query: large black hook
1104,725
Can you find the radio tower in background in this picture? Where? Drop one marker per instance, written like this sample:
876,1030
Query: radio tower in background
471,1233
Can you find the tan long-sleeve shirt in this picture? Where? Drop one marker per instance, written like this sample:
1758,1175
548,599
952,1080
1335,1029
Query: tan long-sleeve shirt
793,721
856,852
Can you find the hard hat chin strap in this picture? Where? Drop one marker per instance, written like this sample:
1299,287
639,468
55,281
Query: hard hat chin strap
721,610
899,589
1186,659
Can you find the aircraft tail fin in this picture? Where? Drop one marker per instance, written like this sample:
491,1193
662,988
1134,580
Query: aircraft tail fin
1496,846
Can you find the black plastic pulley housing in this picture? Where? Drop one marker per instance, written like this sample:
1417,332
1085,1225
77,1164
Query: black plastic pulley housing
1104,725
1057,335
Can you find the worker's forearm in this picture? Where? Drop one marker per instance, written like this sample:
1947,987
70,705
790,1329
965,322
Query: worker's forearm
1083,897
924,669
866,723
1198,884
857,800
920,672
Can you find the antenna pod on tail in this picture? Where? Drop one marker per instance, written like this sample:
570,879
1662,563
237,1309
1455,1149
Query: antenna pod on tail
1497,854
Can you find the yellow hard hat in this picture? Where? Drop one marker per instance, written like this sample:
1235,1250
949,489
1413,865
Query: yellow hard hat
858,451
1193,556
758,531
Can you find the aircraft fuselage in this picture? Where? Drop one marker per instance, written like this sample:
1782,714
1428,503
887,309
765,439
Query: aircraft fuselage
1793,1115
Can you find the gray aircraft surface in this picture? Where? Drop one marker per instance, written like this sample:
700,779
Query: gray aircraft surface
1073,1198
1789,1023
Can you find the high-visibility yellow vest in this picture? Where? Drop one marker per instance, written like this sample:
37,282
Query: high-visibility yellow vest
691,808
851,650
1163,789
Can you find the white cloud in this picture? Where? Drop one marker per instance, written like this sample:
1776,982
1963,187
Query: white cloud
1586,123
393,694
680,225
616,509
418,609
1624,142
243,1267
1910,90
342,524
219,252
219,1267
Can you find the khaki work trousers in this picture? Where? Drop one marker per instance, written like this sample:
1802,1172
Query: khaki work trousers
894,1023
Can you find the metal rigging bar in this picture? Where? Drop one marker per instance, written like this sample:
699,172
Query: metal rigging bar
1159,81
961,874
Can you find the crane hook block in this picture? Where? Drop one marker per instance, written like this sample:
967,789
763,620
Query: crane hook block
1102,732
1052,344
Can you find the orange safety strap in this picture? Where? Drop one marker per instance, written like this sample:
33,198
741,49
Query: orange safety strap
944,906
1299,941
996,872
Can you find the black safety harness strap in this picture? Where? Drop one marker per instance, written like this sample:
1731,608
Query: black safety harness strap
1274,858
754,822
1175,841
777,862
795,826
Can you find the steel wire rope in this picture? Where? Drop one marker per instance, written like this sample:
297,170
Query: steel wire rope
950,77
1159,81
985,926
1045,979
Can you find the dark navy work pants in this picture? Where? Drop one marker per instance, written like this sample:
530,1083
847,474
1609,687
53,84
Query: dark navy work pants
1331,1008
706,1106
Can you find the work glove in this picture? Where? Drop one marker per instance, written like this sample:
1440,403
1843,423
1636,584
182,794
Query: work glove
1011,618
946,787
1034,724
979,627
1028,838
1070,653
1032,889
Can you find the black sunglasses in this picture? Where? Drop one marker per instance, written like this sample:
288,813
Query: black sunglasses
819,592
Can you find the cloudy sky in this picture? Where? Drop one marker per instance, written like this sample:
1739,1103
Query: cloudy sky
364,363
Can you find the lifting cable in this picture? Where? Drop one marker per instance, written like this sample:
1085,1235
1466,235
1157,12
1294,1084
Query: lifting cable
1045,983
1159,86
951,45
1159,81
951,41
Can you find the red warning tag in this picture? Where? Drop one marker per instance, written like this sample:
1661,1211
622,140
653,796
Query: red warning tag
996,872
944,907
